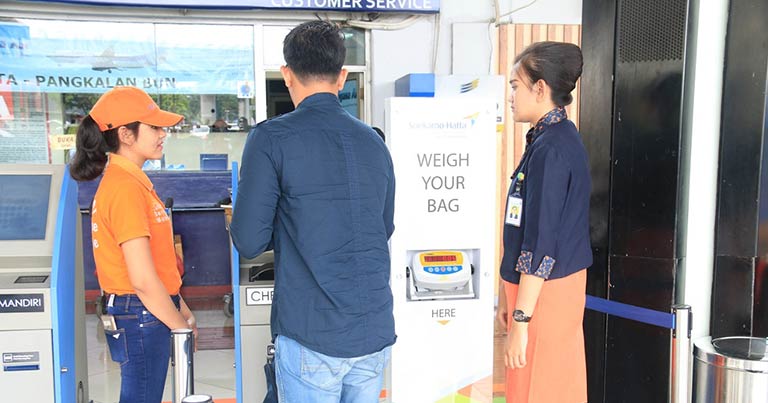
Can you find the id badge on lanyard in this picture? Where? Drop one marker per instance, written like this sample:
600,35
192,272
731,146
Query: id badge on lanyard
515,203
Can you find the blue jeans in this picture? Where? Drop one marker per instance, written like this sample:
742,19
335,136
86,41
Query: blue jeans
142,346
305,376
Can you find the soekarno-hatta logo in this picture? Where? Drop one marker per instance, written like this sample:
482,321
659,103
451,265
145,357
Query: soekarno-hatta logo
464,123
472,85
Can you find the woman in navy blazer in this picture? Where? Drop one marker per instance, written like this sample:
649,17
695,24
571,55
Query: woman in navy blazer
546,235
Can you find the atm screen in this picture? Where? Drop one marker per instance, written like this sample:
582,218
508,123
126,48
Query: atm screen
24,206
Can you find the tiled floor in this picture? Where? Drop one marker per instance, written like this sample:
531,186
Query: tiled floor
214,361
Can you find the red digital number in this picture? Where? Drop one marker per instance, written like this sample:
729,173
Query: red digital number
440,258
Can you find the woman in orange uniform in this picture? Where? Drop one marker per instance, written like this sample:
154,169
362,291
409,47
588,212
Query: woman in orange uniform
546,235
132,238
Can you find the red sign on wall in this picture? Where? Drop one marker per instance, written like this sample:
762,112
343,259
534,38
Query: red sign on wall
6,103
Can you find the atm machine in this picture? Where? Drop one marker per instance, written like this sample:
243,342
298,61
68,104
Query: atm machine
42,330
443,248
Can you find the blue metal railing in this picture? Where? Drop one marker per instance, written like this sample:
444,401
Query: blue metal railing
679,323
636,313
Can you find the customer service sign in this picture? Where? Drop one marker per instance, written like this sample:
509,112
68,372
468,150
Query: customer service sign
411,6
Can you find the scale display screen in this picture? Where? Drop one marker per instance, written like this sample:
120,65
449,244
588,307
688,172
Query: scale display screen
440,258
24,206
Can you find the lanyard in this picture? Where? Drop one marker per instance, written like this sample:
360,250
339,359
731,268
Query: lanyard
519,176
552,117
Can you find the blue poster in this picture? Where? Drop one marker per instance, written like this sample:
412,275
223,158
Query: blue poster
14,37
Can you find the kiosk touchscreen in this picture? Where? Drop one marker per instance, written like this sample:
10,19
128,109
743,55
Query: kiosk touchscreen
42,332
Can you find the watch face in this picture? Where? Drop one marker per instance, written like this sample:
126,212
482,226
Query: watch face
519,316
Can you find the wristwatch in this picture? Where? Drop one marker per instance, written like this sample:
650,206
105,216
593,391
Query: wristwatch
519,316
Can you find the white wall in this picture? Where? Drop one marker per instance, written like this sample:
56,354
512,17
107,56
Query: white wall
412,50
542,11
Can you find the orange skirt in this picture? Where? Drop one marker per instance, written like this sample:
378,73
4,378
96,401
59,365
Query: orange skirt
556,371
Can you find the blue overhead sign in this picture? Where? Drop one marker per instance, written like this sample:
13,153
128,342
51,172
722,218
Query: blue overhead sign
409,6
86,57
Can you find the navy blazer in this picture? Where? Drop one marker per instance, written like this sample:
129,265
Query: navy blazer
552,240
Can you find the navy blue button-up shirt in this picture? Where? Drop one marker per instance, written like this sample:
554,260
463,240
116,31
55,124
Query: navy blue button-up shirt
554,184
320,185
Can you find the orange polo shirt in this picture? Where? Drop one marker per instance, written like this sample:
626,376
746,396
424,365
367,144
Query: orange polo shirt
126,207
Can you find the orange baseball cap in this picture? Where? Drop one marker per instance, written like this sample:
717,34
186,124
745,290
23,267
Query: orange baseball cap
122,105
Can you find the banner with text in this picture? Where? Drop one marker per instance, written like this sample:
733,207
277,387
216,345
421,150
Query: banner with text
92,57
411,6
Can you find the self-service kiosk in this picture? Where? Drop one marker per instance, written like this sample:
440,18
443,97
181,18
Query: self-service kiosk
257,279
42,331
253,287
442,250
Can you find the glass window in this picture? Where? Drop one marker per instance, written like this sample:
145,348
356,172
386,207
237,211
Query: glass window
354,41
214,90
44,60
350,95
279,100
52,72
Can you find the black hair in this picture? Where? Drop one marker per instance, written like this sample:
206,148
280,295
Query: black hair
92,146
315,50
558,64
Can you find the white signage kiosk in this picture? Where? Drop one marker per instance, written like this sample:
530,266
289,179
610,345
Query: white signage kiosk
42,332
444,153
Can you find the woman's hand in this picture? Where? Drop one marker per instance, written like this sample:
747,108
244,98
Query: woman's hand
515,345
189,317
193,325
192,322
502,313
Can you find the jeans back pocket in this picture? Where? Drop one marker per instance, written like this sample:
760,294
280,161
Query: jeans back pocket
118,345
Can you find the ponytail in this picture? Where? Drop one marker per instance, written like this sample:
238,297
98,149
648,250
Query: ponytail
92,146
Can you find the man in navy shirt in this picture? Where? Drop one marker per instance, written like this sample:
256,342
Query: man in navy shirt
319,186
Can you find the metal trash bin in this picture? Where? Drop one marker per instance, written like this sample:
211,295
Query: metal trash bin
730,370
